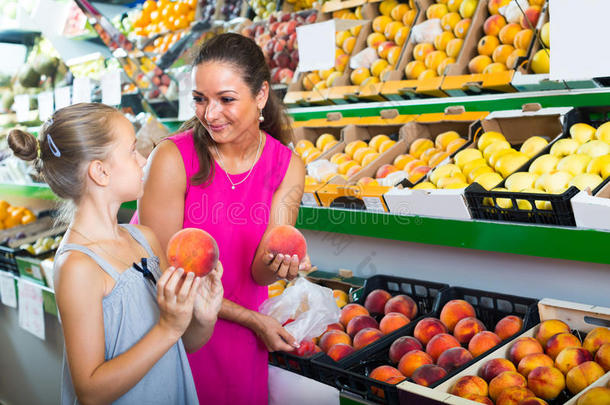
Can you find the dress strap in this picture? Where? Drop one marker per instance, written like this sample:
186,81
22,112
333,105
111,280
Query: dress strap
139,237
107,267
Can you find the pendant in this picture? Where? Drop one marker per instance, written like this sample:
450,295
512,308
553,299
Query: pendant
232,187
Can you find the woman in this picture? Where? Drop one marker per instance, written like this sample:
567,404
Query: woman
230,173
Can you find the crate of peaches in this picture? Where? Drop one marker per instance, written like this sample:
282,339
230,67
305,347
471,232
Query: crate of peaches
565,359
464,325
344,286
540,191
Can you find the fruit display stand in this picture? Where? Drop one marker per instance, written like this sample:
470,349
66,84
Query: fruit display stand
581,319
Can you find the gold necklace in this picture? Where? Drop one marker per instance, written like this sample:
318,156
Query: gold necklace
222,165
102,249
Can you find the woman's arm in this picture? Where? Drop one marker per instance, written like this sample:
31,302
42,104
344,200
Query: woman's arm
284,211
79,289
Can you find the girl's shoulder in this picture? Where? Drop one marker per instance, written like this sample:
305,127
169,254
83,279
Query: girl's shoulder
75,269
151,238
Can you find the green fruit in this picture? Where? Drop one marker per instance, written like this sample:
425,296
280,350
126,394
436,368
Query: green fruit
29,77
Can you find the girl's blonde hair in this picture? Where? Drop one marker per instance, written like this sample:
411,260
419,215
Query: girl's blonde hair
68,141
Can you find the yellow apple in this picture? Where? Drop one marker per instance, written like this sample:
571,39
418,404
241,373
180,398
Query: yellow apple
603,132
494,147
594,148
424,185
467,155
564,147
503,202
574,164
544,164
582,132
489,180
444,182
510,163
488,138
520,181
557,182
599,165
586,180
533,145
448,170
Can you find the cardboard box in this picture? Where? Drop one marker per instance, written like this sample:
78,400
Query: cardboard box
296,94
579,317
343,280
592,211
458,80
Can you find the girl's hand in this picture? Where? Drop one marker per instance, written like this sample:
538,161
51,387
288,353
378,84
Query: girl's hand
208,299
273,335
176,301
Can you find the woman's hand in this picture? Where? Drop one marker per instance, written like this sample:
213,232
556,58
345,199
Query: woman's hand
176,297
285,266
273,335
208,299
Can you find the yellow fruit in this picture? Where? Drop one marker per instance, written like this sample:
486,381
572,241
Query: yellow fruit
487,45
533,145
443,65
467,8
586,180
510,163
341,298
582,132
489,137
479,63
472,165
511,61
339,158
377,140
427,74
488,180
378,66
399,11
501,53
409,17
401,35
436,11
603,132
544,164
454,47
359,75
401,161
386,7
330,80
380,22
348,45
493,159
448,170
424,185
353,146
450,20
323,140
502,202
420,51
345,166
520,181
368,159
391,29
441,40
545,35
478,172
494,68
302,145
394,55
523,39
445,182
541,62
312,156
467,155
340,37
564,147
375,39
461,28
414,69
454,5
434,59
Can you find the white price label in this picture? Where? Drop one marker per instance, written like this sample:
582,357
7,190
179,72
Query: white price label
7,290
185,99
373,204
309,200
111,88
81,90
45,105
62,97
22,107
31,311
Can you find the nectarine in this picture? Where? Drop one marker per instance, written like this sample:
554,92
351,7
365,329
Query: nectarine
401,346
455,310
376,300
393,321
287,240
194,250
403,304
413,360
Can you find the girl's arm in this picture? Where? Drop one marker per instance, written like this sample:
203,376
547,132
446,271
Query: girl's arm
266,268
79,291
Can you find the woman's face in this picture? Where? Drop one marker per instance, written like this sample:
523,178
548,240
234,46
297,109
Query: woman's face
224,103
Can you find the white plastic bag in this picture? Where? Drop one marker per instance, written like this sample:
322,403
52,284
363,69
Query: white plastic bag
512,11
312,307
363,59
426,31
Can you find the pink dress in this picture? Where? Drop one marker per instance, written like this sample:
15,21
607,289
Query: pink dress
232,367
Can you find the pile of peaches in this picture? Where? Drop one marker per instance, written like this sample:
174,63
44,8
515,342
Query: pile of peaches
540,368
441,345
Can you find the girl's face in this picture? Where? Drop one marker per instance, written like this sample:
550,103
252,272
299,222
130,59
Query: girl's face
224,103
125,163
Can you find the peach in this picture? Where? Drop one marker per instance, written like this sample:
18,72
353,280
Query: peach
455,310
384,170
505,380
533,401
493,24
428,153
353,146
393,321
427,328
339,351
439,343
419,146
449,21
602,356
335,326
428,374
368,159
508,33
437,158
401,36
596,338
466,328
508,326
454,47
494,6
361,322
495,367
401,346
374,143
339,158
501,54
414,69
531,361
549,328
376,300
461,28
469,384
454,358
583,375
413,360
333,337
402,304
482,342
353,170
479,63
559,342
511,61
479,398
307,348
456,144
386,145
351,311
571,357
418,173
514,395
523,39
362,152
546,382
287,240
595,396
382,373
487,44
194,250
420,51
375,39
366,336
530,18
434,58
401,161
523,346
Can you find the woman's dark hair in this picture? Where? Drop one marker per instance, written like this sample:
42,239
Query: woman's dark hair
248,59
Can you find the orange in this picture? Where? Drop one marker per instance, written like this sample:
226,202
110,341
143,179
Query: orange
181,8
4,206
26,219
148,6
14,219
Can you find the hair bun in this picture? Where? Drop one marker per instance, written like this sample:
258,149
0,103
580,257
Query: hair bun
23,144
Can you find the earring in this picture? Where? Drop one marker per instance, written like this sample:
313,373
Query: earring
261,118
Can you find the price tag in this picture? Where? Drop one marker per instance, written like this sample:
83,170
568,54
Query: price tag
45,105
31,311
81,90
22,107
373,204
7,290
111,88
62,97
309,200
185,105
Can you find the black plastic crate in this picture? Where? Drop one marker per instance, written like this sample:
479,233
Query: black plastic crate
490,307
7,259
483,204
427,295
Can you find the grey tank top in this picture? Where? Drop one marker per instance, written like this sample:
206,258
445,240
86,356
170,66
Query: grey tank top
130,311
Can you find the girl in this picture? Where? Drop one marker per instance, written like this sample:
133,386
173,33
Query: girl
125,338
230,173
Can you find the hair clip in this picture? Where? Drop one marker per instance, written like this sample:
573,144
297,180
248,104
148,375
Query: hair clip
54,150
49,122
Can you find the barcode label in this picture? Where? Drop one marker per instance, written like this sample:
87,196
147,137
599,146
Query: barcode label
373,204
309,200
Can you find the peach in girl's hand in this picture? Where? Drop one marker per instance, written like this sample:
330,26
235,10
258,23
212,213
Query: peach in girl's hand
194,250
286,240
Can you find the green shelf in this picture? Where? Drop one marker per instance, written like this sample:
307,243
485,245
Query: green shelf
38,191
531,240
